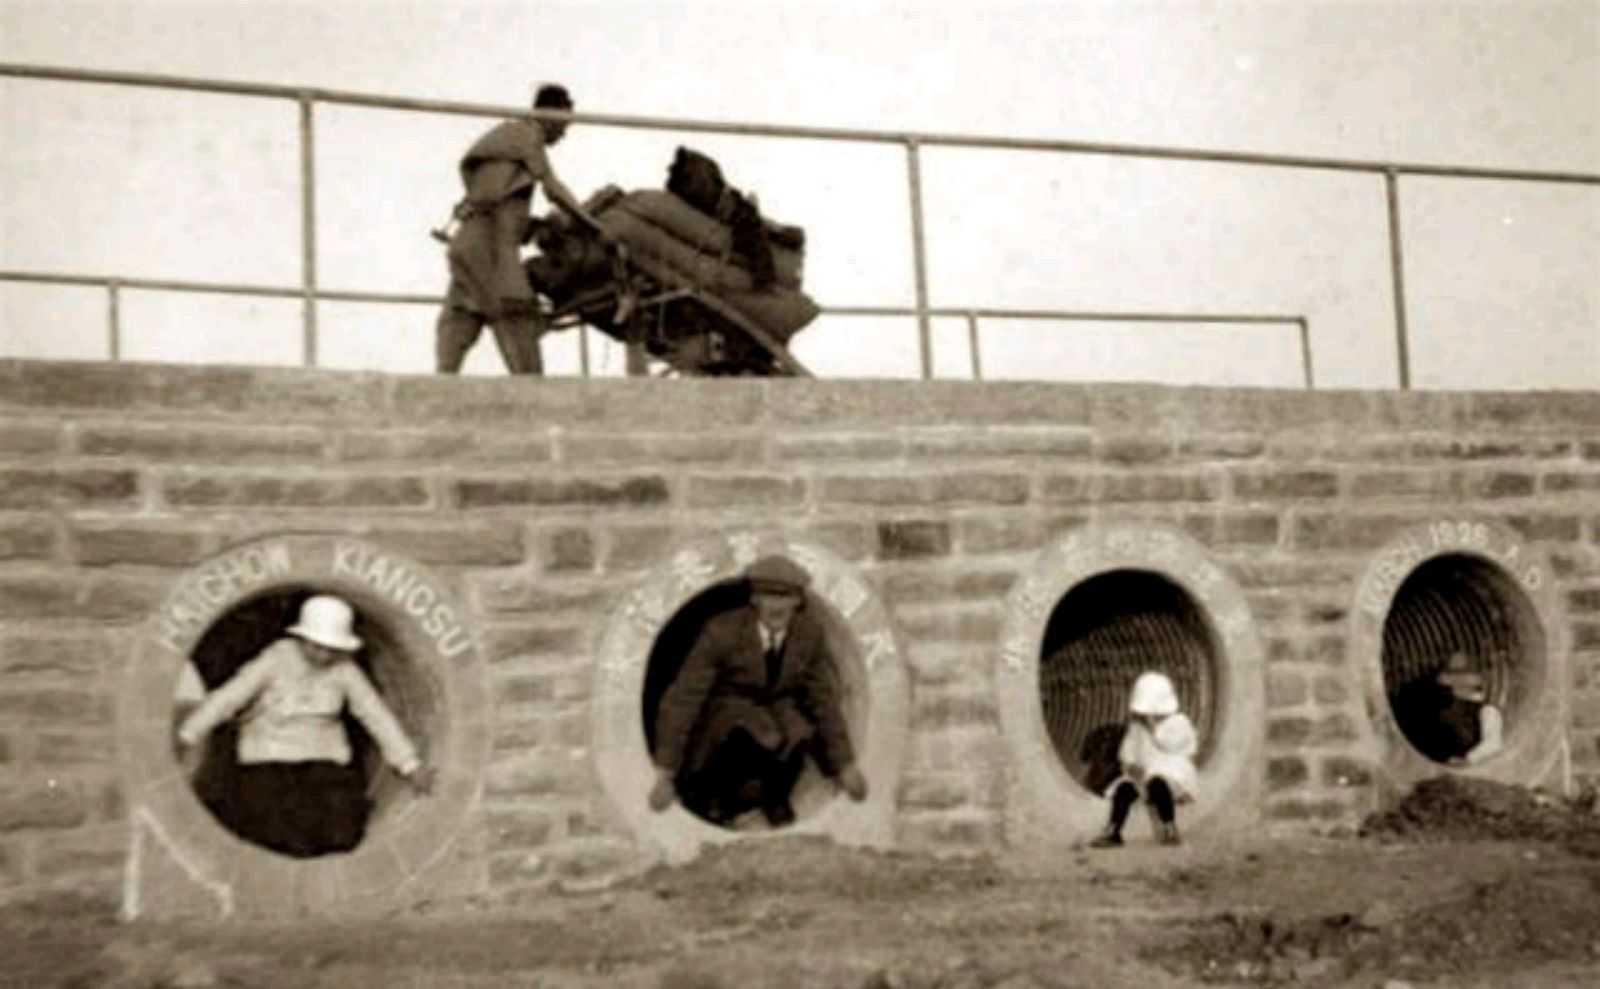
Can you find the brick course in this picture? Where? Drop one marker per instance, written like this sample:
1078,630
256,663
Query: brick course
67,487
542,508
27,537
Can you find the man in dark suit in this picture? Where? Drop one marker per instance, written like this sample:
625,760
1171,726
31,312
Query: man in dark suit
757,694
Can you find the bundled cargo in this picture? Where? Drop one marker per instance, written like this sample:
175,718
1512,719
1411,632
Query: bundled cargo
709,289
660,224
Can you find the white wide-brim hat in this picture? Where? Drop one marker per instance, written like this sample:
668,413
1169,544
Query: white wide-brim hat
327,621
1154,695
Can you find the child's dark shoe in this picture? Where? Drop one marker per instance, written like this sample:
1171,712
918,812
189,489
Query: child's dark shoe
1169,835
1107,839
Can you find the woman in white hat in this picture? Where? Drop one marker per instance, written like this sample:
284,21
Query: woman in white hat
1157,757
298,791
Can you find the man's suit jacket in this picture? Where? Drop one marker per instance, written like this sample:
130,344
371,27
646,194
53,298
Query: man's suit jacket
723,685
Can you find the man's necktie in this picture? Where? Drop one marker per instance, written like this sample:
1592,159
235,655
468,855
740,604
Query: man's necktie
774,659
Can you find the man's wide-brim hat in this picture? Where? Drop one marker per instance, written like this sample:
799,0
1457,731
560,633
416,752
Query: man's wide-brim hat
777,575
327,621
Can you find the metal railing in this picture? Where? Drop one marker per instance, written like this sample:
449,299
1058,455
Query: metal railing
310,292
115,287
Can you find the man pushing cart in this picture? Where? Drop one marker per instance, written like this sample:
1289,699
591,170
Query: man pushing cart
691,275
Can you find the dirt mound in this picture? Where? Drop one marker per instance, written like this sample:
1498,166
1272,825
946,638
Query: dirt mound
1463,809
1522,902
1497,924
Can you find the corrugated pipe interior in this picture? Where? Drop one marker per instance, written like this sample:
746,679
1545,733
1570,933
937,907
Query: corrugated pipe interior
1459,603
1102,634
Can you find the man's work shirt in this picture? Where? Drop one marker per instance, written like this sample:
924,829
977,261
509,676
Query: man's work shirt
499,173
507,161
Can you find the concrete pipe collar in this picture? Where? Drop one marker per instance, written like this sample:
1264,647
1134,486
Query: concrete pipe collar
1100,605
1473,588
647,637
193,850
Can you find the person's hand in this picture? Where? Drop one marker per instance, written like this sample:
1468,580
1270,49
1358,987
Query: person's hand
422,779
664,792
1134,772
609,241
189,756
853,783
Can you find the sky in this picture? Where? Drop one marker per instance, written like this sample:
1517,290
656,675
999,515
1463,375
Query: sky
1503,278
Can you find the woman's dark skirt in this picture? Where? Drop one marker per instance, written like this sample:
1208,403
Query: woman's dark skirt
302,809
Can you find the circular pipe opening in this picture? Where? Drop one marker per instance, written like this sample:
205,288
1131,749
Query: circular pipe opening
872,672
1450,604
239,635
1102,634
677,637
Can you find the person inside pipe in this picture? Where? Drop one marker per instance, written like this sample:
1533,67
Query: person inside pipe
1157,759
1465,728
298,791
757,695
488,227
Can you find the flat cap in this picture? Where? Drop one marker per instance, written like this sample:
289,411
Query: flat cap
777,573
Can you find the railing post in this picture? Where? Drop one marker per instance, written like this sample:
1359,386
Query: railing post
1391,188
308,227
919,256
1305,352
972,344
114,318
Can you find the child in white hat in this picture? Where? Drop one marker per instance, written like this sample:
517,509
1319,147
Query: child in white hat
297,791
1157,757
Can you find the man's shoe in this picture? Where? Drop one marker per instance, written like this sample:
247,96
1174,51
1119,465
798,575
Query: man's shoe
779,815
716,813
1109,838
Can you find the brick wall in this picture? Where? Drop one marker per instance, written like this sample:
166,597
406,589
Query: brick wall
536,501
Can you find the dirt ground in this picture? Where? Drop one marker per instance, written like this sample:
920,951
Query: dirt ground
1419,900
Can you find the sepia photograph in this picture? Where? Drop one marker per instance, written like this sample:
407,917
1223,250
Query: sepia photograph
799,494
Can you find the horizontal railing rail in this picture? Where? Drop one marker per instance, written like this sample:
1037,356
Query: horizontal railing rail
115,286
850,134
306,98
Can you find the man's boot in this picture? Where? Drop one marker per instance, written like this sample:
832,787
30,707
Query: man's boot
775,804
779,813
1111,837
